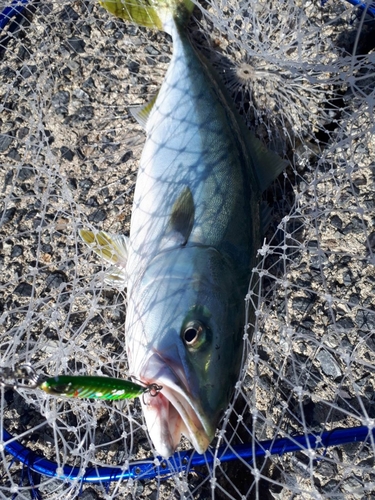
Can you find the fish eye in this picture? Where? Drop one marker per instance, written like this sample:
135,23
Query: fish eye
194,334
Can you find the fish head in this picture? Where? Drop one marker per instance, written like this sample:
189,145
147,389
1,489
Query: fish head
184,332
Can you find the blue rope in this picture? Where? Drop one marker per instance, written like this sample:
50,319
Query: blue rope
369,7
14,9
185,460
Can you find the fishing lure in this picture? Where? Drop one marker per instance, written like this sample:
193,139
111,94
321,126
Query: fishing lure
96,387
79,386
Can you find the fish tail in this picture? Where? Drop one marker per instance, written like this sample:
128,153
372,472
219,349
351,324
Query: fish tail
151,13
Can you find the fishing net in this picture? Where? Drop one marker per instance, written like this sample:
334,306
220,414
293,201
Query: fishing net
303,76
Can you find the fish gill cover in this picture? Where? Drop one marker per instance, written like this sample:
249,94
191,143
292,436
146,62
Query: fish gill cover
303,77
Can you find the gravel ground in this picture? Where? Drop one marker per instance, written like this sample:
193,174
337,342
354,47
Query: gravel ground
69,153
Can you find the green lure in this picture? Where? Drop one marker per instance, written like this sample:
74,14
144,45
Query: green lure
95,387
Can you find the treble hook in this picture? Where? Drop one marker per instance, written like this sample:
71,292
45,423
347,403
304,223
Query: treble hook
153,389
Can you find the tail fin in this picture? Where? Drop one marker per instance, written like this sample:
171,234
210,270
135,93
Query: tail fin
150,13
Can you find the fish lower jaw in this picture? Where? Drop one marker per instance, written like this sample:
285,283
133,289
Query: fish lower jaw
166,424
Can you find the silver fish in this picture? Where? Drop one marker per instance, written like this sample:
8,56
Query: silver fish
195,229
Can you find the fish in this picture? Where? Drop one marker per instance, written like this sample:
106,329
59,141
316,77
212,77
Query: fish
195,228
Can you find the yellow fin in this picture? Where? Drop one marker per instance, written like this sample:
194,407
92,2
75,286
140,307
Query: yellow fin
149,13
138,11
141,113
112,248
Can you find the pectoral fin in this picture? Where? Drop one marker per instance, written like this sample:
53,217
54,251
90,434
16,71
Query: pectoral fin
181,220
182,216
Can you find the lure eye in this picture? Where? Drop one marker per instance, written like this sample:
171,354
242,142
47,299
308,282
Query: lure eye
194,334
60,389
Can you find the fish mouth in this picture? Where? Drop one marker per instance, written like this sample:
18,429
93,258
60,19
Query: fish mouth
173,412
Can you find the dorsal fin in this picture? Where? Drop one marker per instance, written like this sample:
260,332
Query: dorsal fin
268,165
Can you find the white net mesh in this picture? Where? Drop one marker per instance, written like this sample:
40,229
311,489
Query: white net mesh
303,76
